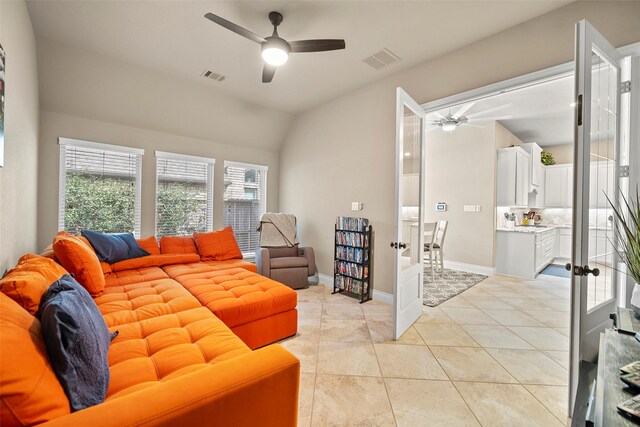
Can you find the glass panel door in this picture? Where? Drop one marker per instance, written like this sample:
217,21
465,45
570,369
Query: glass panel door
409,246
596,134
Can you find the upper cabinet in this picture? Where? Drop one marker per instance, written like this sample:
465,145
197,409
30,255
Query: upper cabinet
536,172
558,186
513,177
601,183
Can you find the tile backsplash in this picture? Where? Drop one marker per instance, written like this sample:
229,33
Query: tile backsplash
556,216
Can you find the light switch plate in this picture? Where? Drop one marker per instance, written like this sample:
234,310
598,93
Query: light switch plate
469,208
356,206
477,208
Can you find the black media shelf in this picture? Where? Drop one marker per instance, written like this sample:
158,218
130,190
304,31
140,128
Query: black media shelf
352,258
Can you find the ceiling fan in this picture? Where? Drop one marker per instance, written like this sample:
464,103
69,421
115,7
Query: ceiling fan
451,121
276,50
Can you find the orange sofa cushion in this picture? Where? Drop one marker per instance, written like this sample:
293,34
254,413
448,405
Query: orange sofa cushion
236,296
149,244
217,245
79,259
29,280
177,245
121,304
231,263
162,348
29,390
154,261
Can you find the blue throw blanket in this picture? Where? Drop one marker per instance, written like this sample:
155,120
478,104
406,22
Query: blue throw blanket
77,340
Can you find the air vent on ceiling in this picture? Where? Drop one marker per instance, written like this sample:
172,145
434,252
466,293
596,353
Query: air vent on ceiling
381,59
208,74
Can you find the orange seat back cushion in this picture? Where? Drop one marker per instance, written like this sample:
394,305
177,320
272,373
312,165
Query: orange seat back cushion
28,281
218,245
80,260
149,244
177,245
29,390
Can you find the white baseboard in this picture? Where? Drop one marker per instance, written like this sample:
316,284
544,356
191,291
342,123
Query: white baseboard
323,279
470,268
383,297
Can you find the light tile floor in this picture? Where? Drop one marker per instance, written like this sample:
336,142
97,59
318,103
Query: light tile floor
495,355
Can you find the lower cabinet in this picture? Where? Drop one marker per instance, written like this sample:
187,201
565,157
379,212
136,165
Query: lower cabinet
564,243
524,254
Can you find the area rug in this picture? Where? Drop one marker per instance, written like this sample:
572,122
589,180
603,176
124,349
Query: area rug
447,285
556,270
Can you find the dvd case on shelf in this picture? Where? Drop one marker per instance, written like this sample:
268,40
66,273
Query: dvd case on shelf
352,257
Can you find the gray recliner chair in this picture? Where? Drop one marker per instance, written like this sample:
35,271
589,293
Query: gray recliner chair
280,257
291,266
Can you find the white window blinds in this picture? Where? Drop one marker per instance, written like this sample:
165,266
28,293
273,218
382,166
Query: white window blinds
184,194
99,187
245,200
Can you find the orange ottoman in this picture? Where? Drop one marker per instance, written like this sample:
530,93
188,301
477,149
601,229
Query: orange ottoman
257,309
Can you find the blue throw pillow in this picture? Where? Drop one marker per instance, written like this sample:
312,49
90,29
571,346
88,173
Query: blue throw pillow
112,248
77,340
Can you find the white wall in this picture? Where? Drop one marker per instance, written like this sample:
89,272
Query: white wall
18,178
344,150
97,98
54,125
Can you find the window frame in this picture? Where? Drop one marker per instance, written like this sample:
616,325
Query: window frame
62,175
261,189
210,184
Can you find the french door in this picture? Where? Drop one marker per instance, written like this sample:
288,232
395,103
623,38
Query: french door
596,172
409,219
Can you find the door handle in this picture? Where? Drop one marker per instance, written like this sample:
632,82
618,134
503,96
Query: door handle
402,245
582,271
594,271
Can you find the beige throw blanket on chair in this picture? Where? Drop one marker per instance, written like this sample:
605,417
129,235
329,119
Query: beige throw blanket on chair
277,230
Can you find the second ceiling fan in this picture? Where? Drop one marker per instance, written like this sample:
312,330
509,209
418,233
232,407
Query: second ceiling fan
276,50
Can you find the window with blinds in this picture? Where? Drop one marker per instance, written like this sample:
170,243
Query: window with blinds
99,187
184,194
245,200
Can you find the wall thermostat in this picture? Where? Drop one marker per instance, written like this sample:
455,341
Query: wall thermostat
441,207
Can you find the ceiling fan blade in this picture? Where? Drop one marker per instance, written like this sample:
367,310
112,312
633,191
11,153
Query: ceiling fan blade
320,45
267,73
464,109
484,119
490,110
235,28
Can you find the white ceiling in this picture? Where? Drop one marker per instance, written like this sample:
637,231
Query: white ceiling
540,113
173,37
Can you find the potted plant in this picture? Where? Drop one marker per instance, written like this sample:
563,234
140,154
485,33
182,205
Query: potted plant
626,240
546,158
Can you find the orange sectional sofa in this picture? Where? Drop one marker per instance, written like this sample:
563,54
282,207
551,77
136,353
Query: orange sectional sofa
191,348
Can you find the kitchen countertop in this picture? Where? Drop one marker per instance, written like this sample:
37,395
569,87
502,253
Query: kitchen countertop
547,227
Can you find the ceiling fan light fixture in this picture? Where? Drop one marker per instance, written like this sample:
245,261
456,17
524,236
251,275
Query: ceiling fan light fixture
274,56
449,126
275,51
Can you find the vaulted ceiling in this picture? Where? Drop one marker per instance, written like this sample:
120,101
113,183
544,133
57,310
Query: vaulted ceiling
173,37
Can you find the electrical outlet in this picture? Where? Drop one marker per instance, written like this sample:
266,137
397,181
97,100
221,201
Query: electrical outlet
469,208
356,206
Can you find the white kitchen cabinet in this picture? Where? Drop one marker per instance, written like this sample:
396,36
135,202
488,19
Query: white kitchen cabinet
524,254
563,244
602,181
536,171
513,177
558,186
600,247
